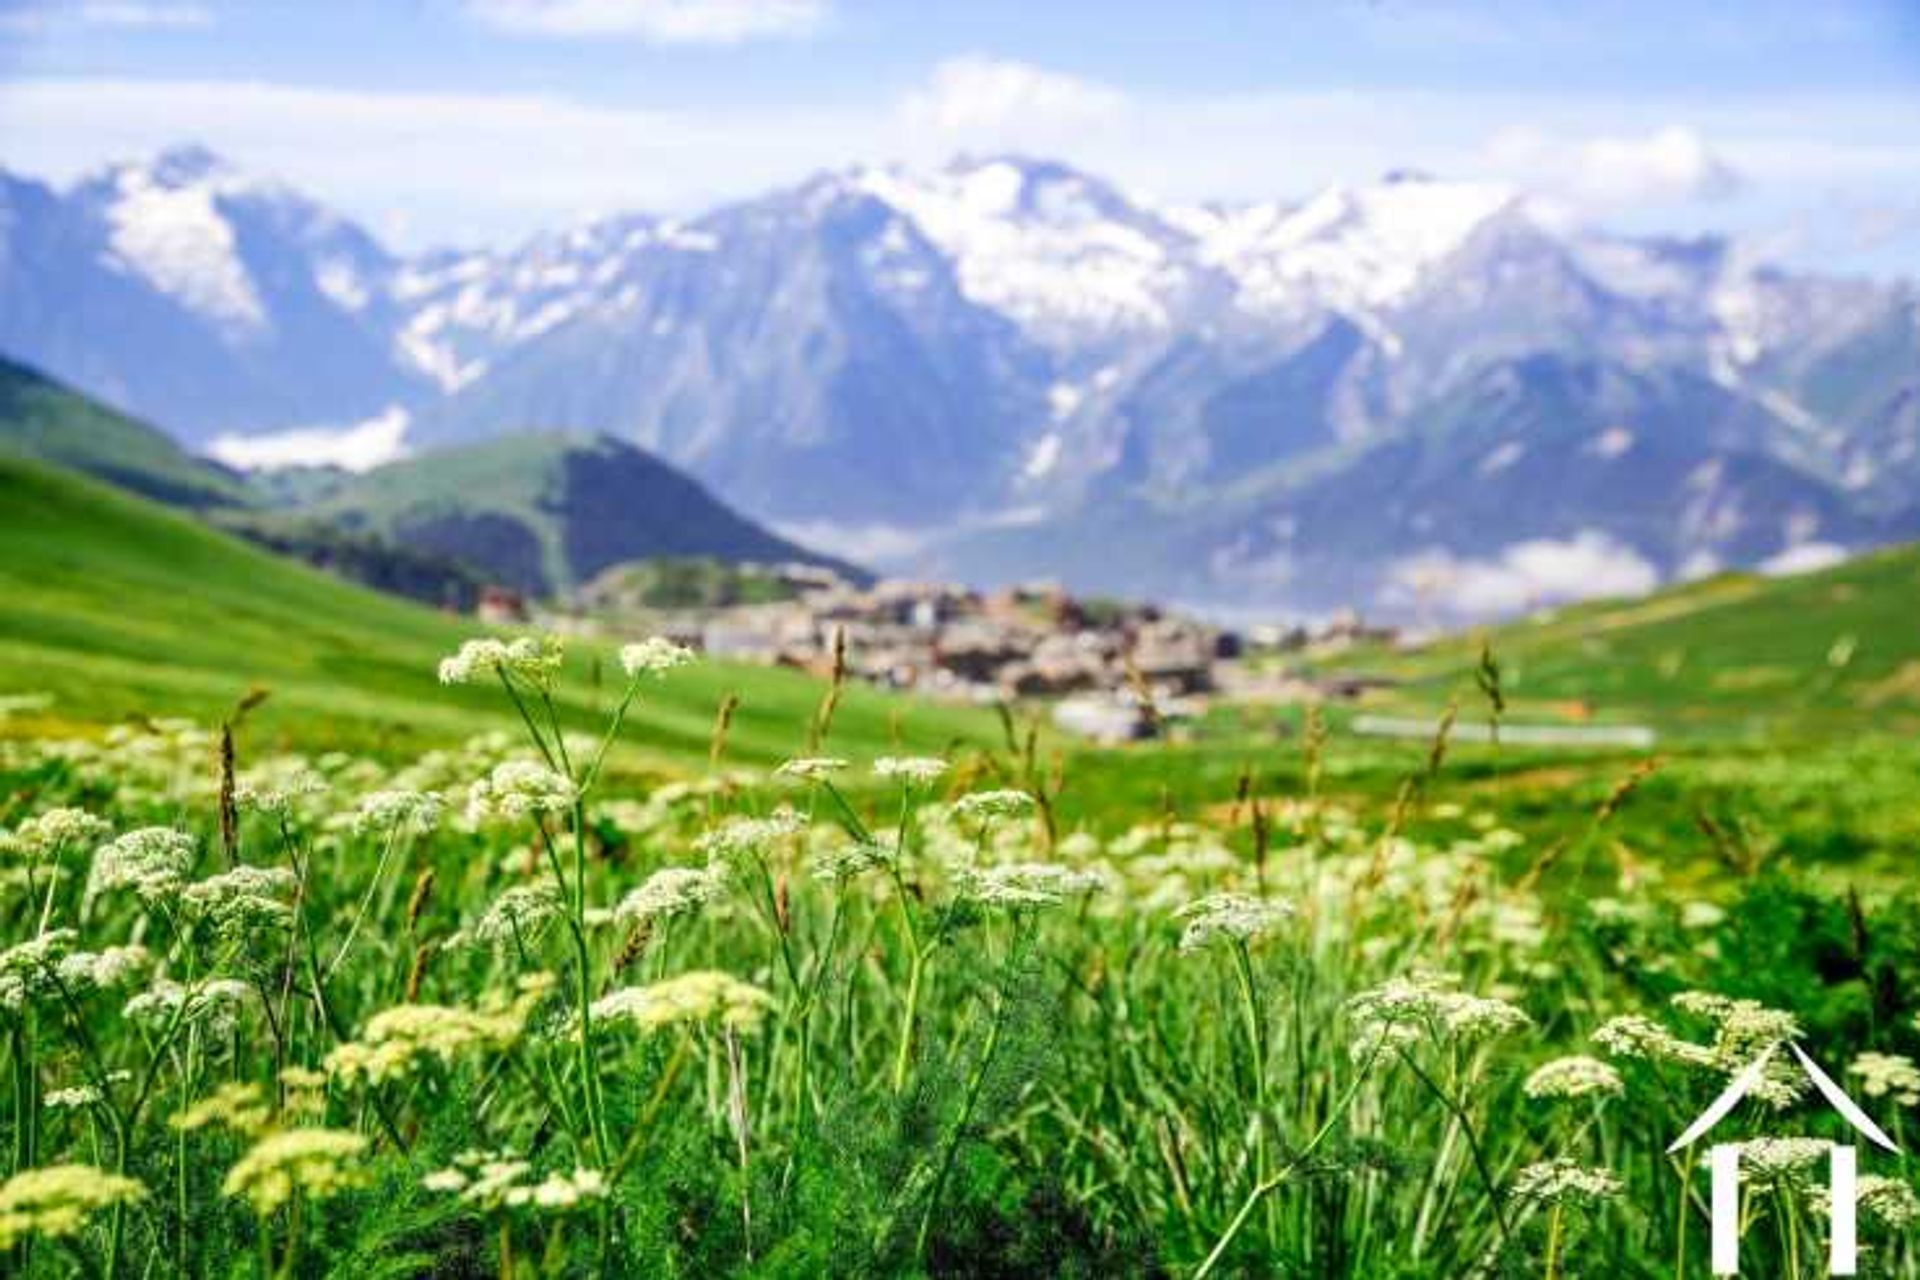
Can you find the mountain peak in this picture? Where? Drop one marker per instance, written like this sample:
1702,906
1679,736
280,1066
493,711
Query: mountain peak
189,164
179,169
1030,169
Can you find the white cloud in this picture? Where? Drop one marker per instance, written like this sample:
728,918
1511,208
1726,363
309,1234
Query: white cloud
1525,575
38,19
359,447
662,21
1807,557
456,166
136,13
1669,165
975,95
874,544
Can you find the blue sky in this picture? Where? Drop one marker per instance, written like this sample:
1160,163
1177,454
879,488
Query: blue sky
1794,124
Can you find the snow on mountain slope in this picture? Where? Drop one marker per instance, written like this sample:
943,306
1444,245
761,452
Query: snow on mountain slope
1354,248
462,311
166,226
1049,248
200,297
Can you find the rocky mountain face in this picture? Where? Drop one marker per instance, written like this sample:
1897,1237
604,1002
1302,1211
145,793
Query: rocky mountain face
1409,395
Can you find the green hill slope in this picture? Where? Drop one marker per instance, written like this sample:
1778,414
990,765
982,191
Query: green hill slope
43,419
118,607
1836,651
545,513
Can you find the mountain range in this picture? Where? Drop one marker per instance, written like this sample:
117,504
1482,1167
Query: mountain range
1415,395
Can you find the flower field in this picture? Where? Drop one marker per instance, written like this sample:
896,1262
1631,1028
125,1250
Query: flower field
501,1010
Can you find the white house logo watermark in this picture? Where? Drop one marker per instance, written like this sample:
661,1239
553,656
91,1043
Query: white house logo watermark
1843,1246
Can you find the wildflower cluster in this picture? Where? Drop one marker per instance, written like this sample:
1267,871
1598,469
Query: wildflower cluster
912,770
519,789
402,1038
152,862
1230,917
491,1180
406,812
654,656
1574,1077
1563,1181
315,1163
1025,886
1404,1011
534,659
49,833
717,1020
702,996
57,1201
671,892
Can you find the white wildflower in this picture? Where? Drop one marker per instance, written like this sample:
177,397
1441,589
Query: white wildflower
1888,1200
315,1163
522,912
1230,917
913,770
213,1005
1888,1075
1701,915
242,899
56,1201
1745,1027
1574,1077
57,830
103,970
670,893
654,656
534,659
811,768
846,859
73,1098
30,970
984,806
517,789
241,1106
492,1180
1396,1014
400,811
1770,1161
561,1191
401,1038
152,862
749,837
277,792
700,996
1563,1181
1634,1035
1021,886
1745,1030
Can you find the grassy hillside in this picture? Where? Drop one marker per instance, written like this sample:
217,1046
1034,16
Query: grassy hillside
43,419
544,513
1820,654
118,607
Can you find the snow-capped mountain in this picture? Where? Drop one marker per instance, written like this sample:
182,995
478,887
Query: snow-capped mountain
1007,367
199,297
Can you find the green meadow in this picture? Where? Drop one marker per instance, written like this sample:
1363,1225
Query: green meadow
119,608
505,977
